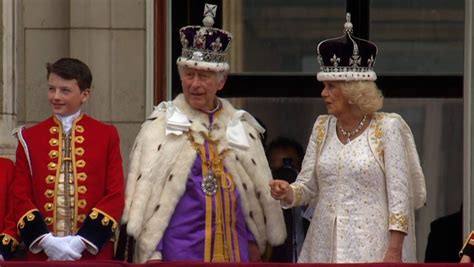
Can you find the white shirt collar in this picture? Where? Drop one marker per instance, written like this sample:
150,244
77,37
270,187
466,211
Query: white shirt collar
67,121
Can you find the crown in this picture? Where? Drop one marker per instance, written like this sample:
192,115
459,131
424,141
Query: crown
347,58
205,47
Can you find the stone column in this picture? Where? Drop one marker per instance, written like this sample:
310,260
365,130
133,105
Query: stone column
7,90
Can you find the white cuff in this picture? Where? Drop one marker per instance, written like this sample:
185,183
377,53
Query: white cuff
35,248
90,246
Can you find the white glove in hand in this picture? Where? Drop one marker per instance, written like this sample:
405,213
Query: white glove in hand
76,244
57,248
1,257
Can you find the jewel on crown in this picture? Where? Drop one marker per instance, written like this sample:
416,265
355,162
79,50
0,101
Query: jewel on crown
205,47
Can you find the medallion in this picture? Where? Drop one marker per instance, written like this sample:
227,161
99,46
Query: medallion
209,184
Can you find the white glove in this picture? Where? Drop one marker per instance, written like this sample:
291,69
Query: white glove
1,257
57,248
76,244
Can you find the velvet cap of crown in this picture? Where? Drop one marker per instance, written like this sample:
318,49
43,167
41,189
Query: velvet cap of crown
204,47
347,58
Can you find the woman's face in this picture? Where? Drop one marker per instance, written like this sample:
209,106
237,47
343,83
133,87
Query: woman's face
336,102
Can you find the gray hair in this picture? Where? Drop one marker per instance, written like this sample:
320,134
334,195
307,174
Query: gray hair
220,75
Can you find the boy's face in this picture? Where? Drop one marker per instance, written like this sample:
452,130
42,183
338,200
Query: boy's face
65,96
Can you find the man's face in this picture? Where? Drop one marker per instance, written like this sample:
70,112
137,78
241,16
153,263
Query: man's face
65,96
200,88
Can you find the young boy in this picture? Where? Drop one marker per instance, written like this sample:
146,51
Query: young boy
68,185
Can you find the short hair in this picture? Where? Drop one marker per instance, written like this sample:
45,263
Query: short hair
71,69
285,143
365,96
219,74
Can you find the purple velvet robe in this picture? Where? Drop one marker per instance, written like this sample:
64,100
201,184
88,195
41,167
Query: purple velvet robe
184,238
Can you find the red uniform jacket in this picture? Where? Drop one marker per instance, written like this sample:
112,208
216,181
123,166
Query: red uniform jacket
6,178
6,200
98,182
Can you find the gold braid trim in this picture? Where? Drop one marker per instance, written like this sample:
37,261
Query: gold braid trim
297,195
7,239
219,249
105,221
28,216
321,131
399,221
377,135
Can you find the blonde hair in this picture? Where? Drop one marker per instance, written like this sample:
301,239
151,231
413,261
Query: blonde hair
365,96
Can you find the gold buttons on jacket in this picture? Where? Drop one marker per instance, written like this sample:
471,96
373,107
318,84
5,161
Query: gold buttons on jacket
53,142
81,217
53,154
81,163
30,217
48,220
50,179
82,203
48,206
94,214
105,221
82,176
79,151
79,139
79,129
6,240
49,193
82,189
54,130
52,166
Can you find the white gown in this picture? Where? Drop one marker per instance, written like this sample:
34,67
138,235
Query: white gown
356,201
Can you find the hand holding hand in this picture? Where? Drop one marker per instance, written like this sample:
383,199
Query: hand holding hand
57,248
281,190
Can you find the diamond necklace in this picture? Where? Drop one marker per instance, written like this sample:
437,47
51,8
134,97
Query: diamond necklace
354,132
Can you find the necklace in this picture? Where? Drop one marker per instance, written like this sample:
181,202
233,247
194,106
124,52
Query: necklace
218,106
350,134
